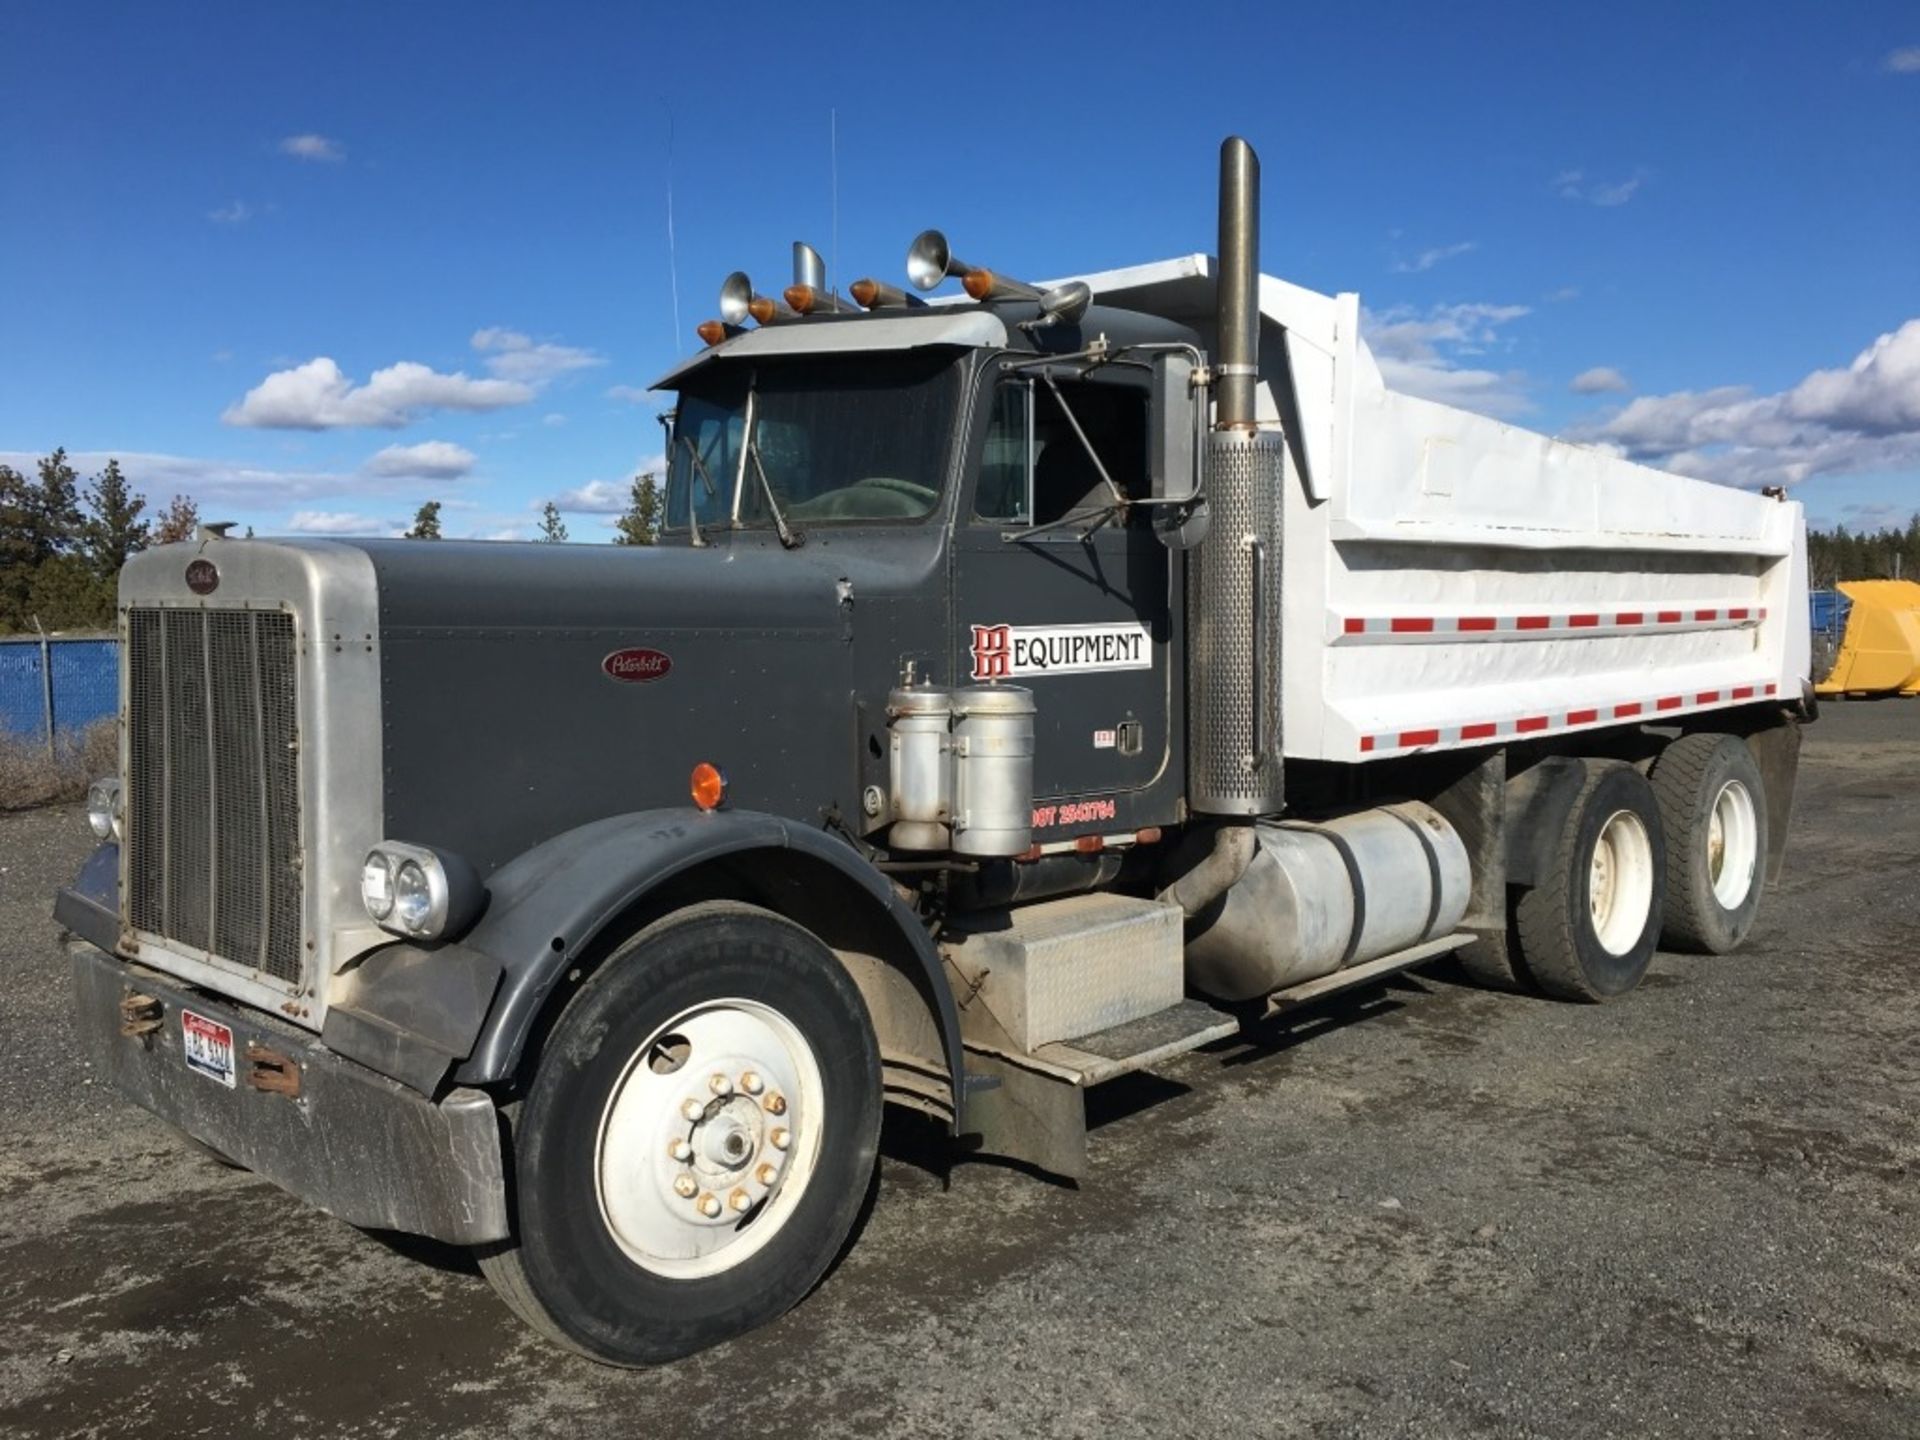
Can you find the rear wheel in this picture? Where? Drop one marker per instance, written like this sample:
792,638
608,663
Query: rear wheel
1713,806
1588,930
697,1140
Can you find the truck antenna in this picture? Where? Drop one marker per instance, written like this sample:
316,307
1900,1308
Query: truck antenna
673,268
833,173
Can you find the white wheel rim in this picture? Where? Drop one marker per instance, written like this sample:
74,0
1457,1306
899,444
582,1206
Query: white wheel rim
709,1139
1733,845
1620,882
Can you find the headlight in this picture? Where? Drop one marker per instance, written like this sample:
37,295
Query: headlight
376,886
418,892
103,807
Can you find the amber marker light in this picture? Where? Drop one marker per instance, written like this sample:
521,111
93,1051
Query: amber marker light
708,786
711,331
799,298
762,309
978,283
864,292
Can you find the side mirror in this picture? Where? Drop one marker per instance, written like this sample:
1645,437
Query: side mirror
1173,445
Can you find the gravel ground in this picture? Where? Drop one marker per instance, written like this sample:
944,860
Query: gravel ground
1420,1210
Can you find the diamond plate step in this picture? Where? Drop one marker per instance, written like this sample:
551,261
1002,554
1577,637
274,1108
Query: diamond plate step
1063,969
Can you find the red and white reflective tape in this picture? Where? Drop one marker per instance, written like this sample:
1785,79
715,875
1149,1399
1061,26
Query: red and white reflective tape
1550,722
1556,625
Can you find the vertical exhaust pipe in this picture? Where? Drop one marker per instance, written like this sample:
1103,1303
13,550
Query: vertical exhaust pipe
1233,577
1238,286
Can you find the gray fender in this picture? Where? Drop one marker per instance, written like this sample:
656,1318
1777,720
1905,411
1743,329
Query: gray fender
549,907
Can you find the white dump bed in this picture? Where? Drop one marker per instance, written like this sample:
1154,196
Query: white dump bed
1451,580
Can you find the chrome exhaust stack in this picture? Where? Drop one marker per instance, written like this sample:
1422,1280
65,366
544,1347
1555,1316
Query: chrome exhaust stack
808,295
1233,596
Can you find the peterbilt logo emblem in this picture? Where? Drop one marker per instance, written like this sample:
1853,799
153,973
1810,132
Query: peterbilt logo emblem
202,577
633,666
1002,652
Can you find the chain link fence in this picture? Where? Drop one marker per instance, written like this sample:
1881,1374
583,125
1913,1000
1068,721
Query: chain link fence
58,699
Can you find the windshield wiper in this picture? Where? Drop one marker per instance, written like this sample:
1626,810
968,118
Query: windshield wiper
693,520
791,538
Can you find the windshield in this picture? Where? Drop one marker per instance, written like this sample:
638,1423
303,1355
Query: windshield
839,438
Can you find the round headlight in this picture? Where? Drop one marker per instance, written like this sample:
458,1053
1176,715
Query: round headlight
103,808
376,886
412,896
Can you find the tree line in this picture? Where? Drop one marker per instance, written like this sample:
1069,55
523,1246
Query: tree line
62,542
62,546
1889,553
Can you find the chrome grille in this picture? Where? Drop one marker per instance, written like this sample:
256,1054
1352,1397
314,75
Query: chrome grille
213,793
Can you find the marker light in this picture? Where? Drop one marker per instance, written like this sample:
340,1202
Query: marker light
708,786
865,292
800,298
762,309
711,331
978,283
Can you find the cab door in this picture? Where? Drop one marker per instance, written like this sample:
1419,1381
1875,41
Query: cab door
1059,588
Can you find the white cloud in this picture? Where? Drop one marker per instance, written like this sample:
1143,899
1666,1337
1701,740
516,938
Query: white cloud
1578,185
597,497
317,396
1859,420
225,482
553,422
1600,380
429,460
1419,353
1427,259
632,394
1905,61
514,356
234,212
314,147
338,522
610,497
505,532
1564,293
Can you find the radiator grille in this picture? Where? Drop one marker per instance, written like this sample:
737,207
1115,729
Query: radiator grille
213,784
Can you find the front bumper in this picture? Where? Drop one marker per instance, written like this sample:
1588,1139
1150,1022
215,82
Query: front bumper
352,1142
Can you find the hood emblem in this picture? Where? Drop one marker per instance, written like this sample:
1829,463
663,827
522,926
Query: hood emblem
202,577
631,667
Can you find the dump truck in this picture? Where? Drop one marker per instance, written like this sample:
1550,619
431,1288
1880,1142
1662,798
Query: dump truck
1029,687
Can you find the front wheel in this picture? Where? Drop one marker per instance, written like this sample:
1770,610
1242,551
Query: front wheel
697,1141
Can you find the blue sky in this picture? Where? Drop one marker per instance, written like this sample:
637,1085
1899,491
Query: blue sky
314,265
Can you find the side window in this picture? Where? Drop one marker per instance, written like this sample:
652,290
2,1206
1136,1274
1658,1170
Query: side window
1064,479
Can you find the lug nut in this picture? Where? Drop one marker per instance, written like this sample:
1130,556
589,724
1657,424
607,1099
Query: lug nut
766,1174
752,1083
693,1109
685,1186
776,1104
720,1085
680,1150
740,1201
710,1205
779,1139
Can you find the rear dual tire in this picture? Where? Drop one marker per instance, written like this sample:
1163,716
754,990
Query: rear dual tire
1713,805
1588,930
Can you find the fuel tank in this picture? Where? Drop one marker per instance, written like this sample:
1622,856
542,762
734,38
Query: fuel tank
1320,896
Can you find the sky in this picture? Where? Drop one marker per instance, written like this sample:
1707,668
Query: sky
313,265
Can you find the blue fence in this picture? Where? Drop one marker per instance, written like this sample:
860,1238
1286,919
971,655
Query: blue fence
85,684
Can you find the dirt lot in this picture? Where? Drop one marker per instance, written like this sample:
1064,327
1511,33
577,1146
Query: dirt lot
1424,1210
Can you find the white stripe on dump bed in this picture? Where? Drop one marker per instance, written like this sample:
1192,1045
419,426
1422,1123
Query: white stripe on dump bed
1668,618
1553,722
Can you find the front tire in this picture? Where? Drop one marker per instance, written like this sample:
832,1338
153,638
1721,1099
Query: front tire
697,1140
1713,805
1588,930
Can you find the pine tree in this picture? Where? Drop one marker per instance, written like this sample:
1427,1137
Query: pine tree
640,524
113,529
177,522
552,527
58,504
426,522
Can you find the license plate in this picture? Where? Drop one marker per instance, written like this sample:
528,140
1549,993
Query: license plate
208,1046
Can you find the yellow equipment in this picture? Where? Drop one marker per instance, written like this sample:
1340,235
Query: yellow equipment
1880,652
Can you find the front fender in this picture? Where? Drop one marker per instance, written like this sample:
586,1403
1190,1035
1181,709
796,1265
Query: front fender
549,906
